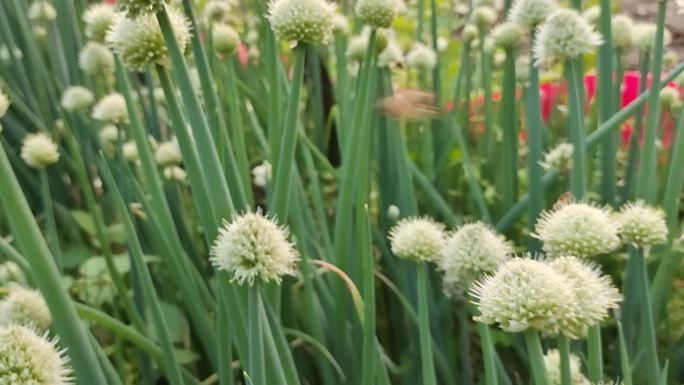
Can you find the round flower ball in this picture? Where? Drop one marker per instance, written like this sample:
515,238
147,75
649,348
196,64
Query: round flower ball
391,55
565,35
261,174
225,39
469,253
522,70
25,307
531,13
417,239
306,21
578,229
42,11
27,358
377,13
484,16
174,174
130,151
508,35
641,225
645,37
4,104
622,31
669,98
525,294
97,19
552,362
422,57
111,109
135,8
139,41
95,59
595,294
39,150
340,25
168,154
216,11
109,134
559,158
254,247
76,98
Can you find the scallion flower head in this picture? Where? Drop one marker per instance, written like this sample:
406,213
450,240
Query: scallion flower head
595,294
484,17
391,55
25,307
261,174
641,225
253,246
4,104
420,239
135,8
508,35
552,362
226,39
622,31
27,358
421,56
469,33
130,151
578,229
525,293
306,21
531,13
76,98
216,11
95,59
174,173
39,150
139,41
669,98
168,153
340,25
522,70
645,37
377,13
565,35
469,253
98,18
42,10
111,109
559,158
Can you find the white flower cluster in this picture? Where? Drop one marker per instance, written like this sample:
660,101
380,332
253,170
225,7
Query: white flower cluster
306,21
420,239
552,363
25,307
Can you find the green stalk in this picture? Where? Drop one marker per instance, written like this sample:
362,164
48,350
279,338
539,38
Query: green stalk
578,181
286,156
151,300
67,324
255,364
647,186
534,150
649,333
225,346
509,123
564,352
488,354
534,349
606,104
50,224
369,349
624,357
427,362
633,152
595,354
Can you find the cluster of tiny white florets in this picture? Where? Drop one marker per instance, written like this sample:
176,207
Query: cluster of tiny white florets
174,173
522,70
470,252
622,31
135,8
42,11
225,39
578,229
130,151
563,36
594,293
508,35
25,307
670,98
552,363
306,21
531,13
645,37
253,246
168,153
109,134
418,239
261,174
340,24
4,104
98,18
525,293
39,150
111,109
357,47
95,59
641,225
139,41
421,56
559,158
377,13
76,98
484,16
391,55
217,11
27,358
